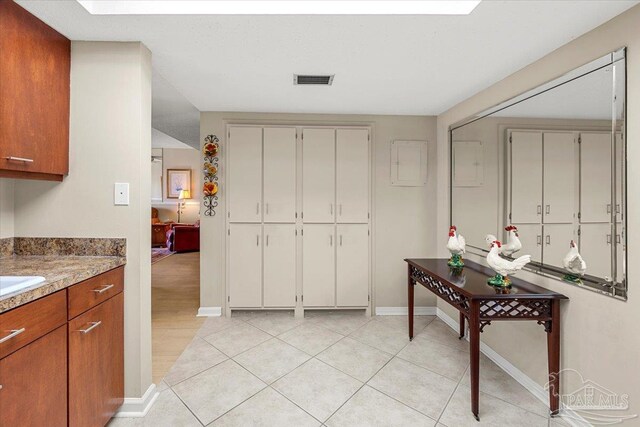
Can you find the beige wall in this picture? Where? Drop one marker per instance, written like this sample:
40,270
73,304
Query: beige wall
403,217
6,207
110,141
599,337
178,158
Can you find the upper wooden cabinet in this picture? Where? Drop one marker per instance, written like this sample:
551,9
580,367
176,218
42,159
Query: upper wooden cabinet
34,97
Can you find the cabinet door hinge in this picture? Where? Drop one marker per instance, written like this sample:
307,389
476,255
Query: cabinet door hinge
510,139
296,298
368,297
580,139
302,136
296,215
302,232
229,299
579,215
296,232
302,298
302,215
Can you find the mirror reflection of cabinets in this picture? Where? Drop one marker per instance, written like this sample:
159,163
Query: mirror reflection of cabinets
553,165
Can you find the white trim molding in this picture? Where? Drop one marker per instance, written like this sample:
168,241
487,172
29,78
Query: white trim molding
209,312
403,311
137,407
571,417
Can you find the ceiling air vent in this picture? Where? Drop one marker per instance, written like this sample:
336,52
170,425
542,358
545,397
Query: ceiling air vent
307,79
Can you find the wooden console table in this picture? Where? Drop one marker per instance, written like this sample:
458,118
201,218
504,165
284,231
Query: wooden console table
480,304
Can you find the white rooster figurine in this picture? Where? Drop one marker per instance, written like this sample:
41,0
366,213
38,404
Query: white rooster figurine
574,264
503,267
513,245
456,246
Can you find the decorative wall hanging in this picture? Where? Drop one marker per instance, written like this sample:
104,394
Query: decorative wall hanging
178,180
211,150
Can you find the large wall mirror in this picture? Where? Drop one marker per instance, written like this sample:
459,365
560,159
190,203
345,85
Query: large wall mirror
551,163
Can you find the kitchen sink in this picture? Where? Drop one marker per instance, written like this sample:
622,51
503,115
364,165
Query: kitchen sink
11,284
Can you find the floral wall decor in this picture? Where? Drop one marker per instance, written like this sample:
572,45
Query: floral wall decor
211,150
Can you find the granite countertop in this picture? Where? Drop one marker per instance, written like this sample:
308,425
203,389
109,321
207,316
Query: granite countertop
61,261
59,272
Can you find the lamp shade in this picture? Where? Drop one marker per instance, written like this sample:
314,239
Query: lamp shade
184,194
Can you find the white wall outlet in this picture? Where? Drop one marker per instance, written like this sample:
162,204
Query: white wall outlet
121,194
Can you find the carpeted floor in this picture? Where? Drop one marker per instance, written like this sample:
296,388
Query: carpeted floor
159,253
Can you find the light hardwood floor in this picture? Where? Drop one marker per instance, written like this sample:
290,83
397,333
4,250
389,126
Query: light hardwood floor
175,299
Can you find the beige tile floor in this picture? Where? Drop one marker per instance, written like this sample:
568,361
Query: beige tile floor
332,369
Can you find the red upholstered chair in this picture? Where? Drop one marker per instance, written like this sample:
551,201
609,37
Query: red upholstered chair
184,238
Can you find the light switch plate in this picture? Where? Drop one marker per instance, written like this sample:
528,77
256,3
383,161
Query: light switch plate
121,194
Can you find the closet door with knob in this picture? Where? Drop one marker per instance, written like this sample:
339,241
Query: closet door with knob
559,177
279,174
279,265
526,177
595,177
245,174
318,175
245,265
318,265
352,265
352,175
557,238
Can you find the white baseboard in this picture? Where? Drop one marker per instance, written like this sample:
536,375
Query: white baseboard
209,312
400,311
571,417
137,407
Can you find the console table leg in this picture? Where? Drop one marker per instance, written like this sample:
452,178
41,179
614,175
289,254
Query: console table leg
553,351
461,325
474,353
411,289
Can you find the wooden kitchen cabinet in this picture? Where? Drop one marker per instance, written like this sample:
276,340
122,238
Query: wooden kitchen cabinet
34,97
96,363
33,383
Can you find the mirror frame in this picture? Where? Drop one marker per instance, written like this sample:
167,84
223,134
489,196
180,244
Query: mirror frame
615,58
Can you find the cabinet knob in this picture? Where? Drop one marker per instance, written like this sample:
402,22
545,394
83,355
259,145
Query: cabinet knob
12,333
539,209
90,328
104,289
18,159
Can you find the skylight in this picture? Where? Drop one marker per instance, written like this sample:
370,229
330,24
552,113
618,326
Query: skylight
282,7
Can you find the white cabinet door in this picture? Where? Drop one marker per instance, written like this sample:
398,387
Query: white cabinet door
595,177
245,265
245,174
526,177
557,238
279,265
595,248
352,265
559,177
531,238
352,175
318,265
318,175
279,174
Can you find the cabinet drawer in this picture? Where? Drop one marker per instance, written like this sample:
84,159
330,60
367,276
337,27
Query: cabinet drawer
94,291
29,322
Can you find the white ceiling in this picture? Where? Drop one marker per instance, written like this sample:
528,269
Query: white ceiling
383,64
162,140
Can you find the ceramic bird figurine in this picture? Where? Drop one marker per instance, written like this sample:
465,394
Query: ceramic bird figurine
503,267
513,245
574,264
490,238
456,246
